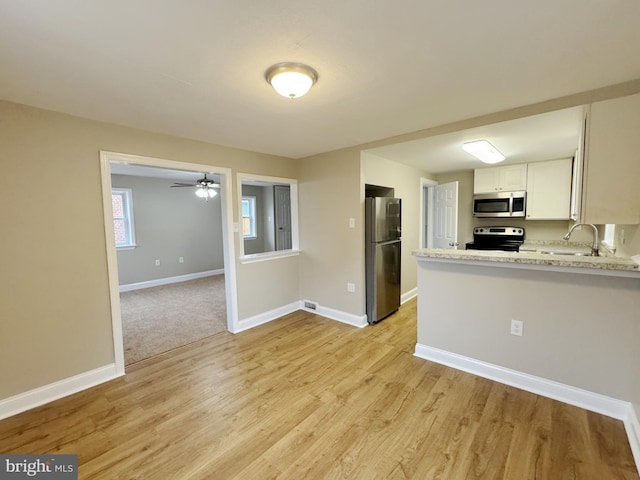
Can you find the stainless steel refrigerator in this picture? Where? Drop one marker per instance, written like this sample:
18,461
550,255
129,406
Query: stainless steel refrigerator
383,217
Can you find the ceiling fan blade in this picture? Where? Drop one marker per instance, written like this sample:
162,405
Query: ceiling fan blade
184,185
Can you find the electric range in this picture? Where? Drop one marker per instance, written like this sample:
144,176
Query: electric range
507,239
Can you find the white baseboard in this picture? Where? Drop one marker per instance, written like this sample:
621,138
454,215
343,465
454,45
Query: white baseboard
594,402
168,280
405,297
578,397
340,316
54,391
632,426
265,317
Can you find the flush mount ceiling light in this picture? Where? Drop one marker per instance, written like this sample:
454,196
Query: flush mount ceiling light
484,151
291,80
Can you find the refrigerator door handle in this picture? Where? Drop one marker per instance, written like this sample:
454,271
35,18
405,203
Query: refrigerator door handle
387,242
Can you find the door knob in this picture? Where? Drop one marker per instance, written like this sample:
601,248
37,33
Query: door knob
452,244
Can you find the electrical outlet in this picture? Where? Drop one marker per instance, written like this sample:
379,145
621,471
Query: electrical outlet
180,259
517,327
351,287
157,262
352,223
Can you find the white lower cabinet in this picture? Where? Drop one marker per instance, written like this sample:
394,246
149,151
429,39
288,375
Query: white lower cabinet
549,190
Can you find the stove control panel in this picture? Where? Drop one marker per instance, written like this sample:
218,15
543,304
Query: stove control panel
497,231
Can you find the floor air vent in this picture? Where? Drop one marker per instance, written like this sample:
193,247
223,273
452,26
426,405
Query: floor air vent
310,305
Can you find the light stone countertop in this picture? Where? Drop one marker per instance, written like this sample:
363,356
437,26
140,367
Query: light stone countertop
604,265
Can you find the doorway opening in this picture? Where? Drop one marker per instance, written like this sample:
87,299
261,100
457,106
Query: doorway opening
438,214
116,162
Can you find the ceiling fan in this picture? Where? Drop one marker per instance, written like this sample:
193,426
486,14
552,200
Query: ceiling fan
206,188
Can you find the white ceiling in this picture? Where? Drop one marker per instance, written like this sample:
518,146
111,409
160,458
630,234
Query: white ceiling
547,136
195,68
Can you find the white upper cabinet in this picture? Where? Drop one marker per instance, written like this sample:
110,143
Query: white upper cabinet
578,173
612,162
549,190
508,178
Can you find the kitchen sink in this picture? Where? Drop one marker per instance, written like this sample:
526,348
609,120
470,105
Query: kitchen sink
565,252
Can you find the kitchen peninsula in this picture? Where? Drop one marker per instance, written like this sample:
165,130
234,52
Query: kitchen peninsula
580,330
559,261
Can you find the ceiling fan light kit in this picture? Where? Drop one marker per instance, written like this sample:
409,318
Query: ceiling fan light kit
206,188
206,192
291,80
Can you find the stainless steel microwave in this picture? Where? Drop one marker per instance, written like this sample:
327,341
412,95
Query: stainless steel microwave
499,204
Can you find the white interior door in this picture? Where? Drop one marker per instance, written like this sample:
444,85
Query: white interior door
445,216
283,217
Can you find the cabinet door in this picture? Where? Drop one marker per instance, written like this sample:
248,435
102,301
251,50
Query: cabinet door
513,177
578,173
549,190
612,164
486,180
509,178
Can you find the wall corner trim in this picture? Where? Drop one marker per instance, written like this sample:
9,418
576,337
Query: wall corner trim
632,426
48,393
410,295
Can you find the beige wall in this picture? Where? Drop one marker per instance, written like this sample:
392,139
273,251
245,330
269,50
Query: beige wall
268,285
332,254
406,182
586,335
54,292
612,164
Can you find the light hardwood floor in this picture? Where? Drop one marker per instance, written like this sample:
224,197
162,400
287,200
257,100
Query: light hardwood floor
304,397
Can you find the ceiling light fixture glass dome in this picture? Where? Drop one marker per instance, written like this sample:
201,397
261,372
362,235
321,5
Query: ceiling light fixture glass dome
291,80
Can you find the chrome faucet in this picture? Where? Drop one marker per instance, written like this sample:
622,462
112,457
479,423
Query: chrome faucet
594,245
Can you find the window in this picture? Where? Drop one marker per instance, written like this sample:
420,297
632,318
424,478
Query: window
123,217
249,217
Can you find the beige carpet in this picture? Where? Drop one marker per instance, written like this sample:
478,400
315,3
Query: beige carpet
158,319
